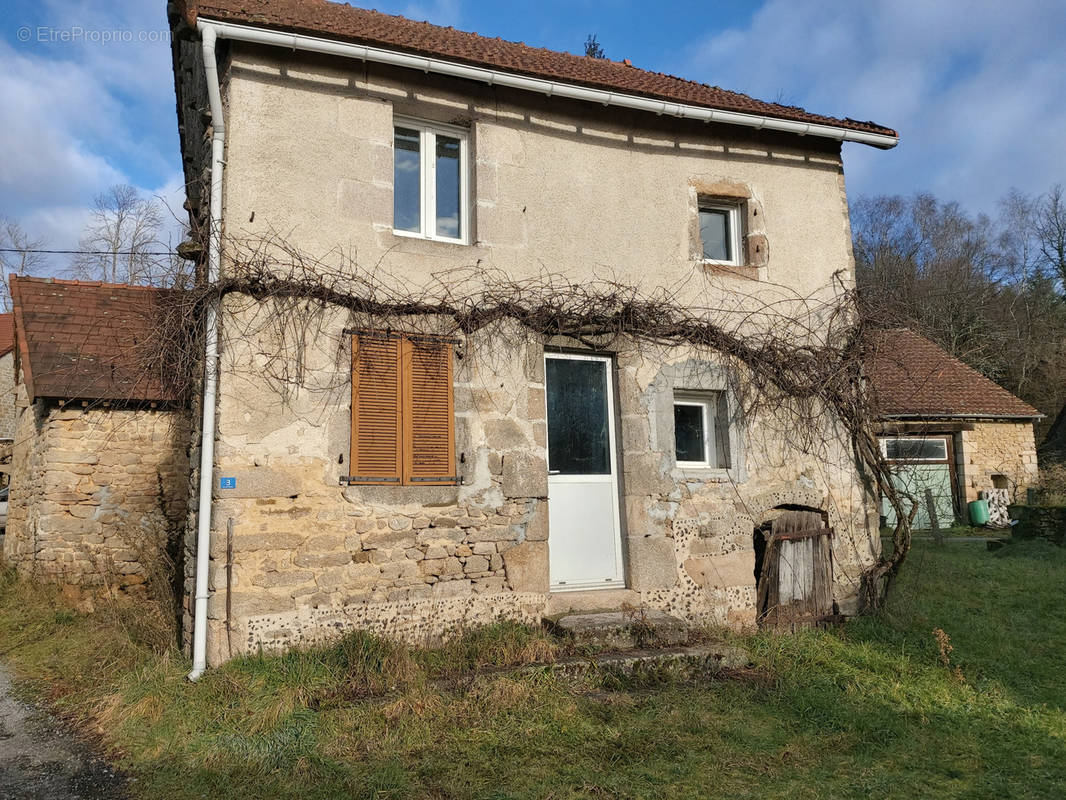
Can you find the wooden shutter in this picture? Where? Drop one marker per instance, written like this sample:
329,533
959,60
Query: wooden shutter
429,417
376,410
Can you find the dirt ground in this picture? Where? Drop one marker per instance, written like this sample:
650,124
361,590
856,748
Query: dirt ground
40,759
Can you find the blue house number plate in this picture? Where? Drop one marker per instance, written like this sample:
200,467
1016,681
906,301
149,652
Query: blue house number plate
227,483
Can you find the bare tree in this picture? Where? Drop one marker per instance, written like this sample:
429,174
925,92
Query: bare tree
122,239
930,266
1051,232
19,254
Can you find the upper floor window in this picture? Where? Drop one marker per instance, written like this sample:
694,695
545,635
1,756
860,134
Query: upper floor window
720,232
430,181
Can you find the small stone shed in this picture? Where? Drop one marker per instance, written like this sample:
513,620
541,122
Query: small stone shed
100,466
947,426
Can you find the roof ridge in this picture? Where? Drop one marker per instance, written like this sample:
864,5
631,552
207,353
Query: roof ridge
623,64
79,282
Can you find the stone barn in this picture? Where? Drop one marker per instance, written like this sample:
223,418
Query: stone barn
947,427
100,466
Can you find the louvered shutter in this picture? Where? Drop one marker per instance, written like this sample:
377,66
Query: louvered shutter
428,420
376,419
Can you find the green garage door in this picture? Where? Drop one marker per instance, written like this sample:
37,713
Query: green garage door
921,463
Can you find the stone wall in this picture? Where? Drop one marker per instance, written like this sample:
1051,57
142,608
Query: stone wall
1006,449
297,557
1039,522
95,493
555,185
8,415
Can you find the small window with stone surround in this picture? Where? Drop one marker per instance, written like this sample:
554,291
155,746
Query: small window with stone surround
701,430
720,232
727,230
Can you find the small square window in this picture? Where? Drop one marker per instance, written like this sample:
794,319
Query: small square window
720,233
701,433
430,182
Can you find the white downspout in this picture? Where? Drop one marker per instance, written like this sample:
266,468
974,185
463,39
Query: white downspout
207,426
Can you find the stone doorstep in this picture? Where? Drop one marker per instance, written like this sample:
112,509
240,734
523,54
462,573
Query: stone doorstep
622,630
700,661
692,661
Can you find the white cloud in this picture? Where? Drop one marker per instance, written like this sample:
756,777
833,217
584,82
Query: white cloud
84,114
975,89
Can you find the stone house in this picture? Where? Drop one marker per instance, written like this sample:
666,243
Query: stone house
100,470
948,427
415,484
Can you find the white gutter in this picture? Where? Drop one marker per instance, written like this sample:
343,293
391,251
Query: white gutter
297,41
934,417
207,425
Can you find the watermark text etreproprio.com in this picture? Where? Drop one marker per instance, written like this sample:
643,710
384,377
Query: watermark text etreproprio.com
77,34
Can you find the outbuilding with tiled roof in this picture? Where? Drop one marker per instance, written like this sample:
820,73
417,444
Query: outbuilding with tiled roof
949,428
99,466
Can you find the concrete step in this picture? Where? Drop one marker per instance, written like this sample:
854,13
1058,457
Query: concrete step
623,630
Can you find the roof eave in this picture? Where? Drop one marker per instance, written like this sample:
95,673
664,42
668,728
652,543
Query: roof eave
21,343
936,416
552,88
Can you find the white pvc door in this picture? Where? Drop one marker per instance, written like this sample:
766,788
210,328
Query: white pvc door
584,543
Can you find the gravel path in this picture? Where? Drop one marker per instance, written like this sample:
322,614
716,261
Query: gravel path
40,759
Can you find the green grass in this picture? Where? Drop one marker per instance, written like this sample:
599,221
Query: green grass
876,708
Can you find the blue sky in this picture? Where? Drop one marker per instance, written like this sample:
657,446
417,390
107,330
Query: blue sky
976,88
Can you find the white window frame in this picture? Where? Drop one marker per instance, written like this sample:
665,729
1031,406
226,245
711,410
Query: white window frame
886,439
732,211
427,146
709,410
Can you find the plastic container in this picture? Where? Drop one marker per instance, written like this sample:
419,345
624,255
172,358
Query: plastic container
978,512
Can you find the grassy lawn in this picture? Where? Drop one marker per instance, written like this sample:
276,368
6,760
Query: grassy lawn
878,708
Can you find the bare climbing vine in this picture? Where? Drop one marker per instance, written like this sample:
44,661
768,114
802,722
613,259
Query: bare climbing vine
801,356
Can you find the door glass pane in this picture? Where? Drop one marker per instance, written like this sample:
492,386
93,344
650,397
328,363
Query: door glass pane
916,449
407,181
578,428
714,233
448,187
689,436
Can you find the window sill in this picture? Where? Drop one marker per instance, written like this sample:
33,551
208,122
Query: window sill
421,237
414,243
707,474
748,271
401,495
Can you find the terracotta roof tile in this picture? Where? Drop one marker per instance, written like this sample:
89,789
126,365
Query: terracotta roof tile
347,23
7,333
912,377
84,339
